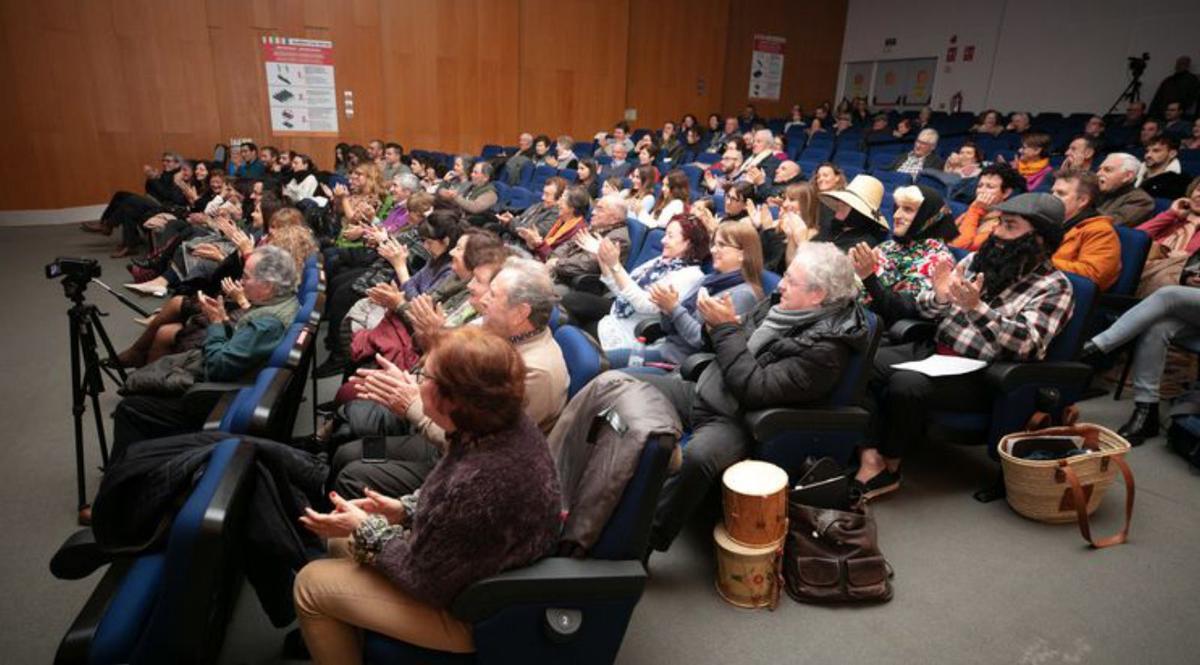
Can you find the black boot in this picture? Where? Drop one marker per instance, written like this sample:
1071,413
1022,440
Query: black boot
1090,351
1143,423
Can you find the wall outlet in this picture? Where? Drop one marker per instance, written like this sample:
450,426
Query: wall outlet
630,114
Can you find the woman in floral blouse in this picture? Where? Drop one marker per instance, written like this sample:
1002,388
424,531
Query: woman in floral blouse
919,228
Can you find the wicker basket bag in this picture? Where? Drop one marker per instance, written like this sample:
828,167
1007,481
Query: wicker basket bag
1070,489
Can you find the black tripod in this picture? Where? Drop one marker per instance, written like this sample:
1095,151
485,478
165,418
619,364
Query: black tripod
1133,91
87,377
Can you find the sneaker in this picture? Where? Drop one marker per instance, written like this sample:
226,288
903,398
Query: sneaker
881,483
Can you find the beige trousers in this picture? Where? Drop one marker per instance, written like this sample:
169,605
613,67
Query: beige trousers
337,597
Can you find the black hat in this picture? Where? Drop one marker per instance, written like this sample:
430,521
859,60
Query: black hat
1044,211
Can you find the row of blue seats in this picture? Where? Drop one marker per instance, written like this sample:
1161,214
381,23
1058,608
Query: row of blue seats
171,605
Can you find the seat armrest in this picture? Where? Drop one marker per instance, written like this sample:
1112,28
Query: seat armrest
552,580
1008,376
693,365
75,646
1115,302
269,403
768,423
208,387
905,331
213,421
589,283
650,330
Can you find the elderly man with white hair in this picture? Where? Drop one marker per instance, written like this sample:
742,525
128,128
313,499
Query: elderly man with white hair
1120,199
921,156
762,157
791,350
608,221
516,304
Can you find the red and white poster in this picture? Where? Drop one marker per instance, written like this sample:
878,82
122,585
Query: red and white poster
766,67
301,92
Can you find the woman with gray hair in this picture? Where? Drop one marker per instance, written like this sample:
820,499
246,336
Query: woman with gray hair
790,351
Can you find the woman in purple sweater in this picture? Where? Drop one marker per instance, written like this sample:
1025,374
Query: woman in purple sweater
491,504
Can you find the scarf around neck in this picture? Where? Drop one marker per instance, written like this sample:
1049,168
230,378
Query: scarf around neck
715,283
645,275
779,321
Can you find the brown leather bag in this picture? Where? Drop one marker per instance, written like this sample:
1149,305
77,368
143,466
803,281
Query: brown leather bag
832,556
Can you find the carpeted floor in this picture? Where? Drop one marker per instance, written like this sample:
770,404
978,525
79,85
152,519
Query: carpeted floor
974,583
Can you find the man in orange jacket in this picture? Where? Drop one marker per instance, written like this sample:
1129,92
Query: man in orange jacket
1091,247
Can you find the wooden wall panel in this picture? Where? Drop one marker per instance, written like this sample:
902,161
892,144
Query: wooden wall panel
673,69
814,32
100,87
573,65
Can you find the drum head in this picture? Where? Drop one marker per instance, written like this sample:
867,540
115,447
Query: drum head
754,478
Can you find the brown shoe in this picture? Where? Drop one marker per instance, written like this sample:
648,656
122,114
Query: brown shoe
97,227
122,251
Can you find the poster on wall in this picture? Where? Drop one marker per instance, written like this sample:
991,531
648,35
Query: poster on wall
858,80
766,67
904,84
301,94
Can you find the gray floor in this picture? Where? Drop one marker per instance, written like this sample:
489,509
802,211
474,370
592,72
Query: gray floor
974,583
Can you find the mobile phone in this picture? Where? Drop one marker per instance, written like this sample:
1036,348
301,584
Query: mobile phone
374,449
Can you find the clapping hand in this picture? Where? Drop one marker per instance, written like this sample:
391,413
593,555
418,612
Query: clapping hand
716,311
209,252
965,293
232,288
389,508
340,523
353,232
236,235
340,191
427,318
608,254
212,308
505,217
793,227
865,260
941,272
665,297
756,175
393,252
389,385
156,222
531,237
587,242
386,295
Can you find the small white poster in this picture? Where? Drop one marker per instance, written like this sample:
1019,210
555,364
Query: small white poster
301,92
766,67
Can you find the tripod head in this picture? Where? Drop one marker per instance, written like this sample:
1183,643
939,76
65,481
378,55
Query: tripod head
75,274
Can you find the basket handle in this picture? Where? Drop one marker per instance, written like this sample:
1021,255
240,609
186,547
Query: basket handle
1081,504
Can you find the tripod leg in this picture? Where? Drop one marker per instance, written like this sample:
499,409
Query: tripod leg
77,388
98,327
94,379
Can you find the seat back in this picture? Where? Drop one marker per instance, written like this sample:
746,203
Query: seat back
1066,343
200,582
172,605
1135,247
651,248
583,359
627,533
853,382
263,409
637,236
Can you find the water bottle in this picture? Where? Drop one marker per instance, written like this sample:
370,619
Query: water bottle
637,355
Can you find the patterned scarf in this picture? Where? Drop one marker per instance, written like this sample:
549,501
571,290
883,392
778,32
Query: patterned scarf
645,275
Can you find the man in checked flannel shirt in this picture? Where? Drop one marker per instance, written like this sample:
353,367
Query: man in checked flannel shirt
1004,302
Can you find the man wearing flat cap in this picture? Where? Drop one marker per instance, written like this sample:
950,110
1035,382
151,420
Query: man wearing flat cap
1005,302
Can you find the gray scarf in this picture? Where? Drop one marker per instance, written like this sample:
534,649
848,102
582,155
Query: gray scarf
778,322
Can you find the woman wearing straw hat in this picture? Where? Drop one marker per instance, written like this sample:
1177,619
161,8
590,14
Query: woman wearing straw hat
856,215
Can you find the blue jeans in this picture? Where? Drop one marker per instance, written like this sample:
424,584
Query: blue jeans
619,358
1170,312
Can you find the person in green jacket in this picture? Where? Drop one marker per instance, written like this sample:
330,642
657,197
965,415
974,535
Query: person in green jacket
232,352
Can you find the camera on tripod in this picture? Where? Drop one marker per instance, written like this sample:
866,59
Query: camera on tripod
1137,66
73,269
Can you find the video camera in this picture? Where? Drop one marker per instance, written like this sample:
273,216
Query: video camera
1137,66
73,269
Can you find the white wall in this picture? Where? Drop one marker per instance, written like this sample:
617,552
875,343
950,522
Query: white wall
1068,55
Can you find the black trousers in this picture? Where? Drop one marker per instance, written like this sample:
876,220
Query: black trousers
717,443
409,461
141,417
901,400
342,297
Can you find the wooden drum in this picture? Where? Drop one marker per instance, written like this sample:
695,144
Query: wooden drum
747,576
755,502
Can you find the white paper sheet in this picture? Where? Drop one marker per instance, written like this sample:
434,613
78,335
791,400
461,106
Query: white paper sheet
939,365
